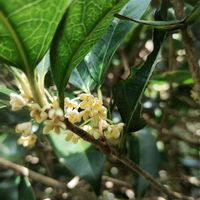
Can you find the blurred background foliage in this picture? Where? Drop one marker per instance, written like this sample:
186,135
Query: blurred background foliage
167,147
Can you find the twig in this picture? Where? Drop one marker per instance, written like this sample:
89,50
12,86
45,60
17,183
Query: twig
102,146
166,132
33,175
116,181
189,42
171,194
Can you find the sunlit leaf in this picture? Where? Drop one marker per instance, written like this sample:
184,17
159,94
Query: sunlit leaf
83,25
26,30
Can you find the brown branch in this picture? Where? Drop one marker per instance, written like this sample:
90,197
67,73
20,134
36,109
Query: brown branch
102,146
189,42
31,174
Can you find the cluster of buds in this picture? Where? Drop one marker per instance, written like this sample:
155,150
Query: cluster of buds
86,111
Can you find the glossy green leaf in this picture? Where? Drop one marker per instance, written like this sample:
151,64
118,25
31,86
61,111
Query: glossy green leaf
43,66
25,191
149,157
26,30
143,150
81,78
98,59
83,25
161,25
128,93
81,159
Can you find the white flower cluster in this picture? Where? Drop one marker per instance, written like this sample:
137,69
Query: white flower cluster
86,111
93,117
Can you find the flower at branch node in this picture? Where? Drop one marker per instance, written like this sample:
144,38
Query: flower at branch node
113,131
70,104
73,116
56,114
96,133
86,101
27,140
52,125
70,136
17,102
55,119
24,128
38,113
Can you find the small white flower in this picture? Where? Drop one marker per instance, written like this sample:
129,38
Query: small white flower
51,125
38,113
24,128
17,102
27,140
113,131
73,116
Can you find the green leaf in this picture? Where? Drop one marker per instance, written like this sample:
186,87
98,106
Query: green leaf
81,159
194,14
43,66
8,189
143,150
26,30
9,148
16,188
4,91
128,93
25,191
98,59
5,96
178,76
149,157
161,25
82,27
81,78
